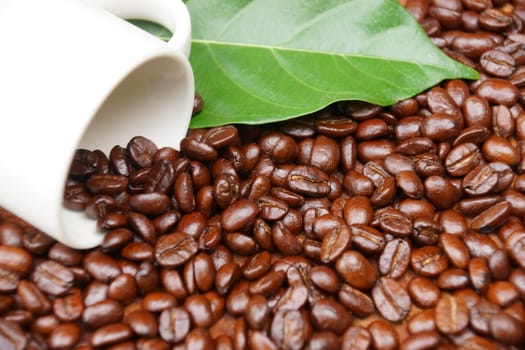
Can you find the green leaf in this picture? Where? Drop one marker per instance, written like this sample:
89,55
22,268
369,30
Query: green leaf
153,28
261,61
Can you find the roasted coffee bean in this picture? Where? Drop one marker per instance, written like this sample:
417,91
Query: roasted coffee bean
367,239
174,249
321,152
395,258
356,337
383,335
428,261
462,159
506,329
423,292
31,298
355,270
174,324
289,329
52,278
491,218
102,313
453,279
335,243
357,301
327,314
441,192
455,250
102,267
498,63
391,299
324,278
479,274
452,315
111,334
410,184
395,222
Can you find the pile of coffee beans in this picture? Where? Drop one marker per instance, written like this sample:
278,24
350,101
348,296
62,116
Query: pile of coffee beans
357,227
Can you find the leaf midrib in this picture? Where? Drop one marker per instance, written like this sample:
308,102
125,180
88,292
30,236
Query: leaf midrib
314,52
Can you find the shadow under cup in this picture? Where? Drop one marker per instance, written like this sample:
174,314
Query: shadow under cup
155,100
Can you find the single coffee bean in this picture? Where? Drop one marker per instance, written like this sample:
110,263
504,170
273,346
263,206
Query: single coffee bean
289,329
421,340
506,329
64,336
453,279
502,293
455,250
481,313
174,249
356,301
356,337
391,299
452,315
328,314
335,243
367,239
52,278
498,63
423,292
355,270
462,159
491,218
102,313
395,258
383,335
428,261
111,334
281,147
395,222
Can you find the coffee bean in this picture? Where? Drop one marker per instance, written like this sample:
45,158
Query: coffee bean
355,270
391,299
421,340
52,278
395,258
289,329
328,314
452,315
367,239
498,63
174,324
506,328
358,302
174,249
356,337
423,292
64,336
455,250
102,313
383,335
453,279
428,261
335,243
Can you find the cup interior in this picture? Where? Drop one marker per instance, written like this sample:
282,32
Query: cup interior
155,100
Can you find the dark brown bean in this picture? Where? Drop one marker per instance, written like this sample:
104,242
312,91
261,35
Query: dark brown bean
355,270
452,315
395,258
391,299
428,261
423,292
174,249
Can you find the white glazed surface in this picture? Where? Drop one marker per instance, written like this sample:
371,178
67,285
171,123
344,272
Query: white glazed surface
74,75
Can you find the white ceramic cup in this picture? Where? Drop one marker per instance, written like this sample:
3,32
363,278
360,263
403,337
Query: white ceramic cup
74,74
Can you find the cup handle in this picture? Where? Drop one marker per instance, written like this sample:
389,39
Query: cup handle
172,14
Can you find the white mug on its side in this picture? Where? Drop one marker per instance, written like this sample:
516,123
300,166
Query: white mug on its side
74,74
